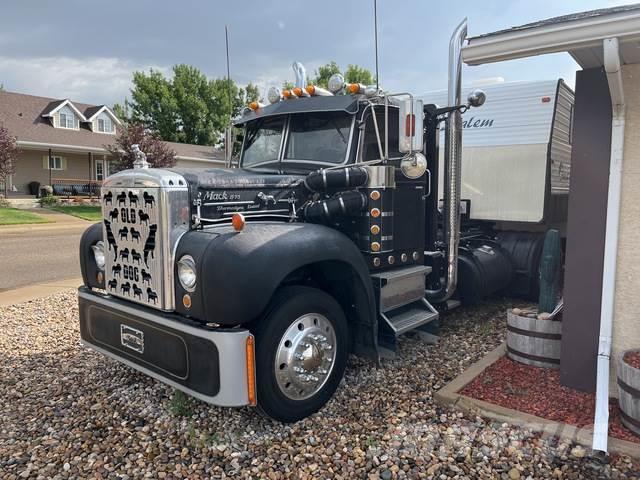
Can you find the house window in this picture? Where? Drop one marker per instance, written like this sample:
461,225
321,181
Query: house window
55,163
67,118
105,125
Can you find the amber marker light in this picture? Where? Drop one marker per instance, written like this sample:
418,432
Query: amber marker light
238,222
311,90
375,229
186,300
375,195
250,352
254,105
297,91
354,88
287,93
375,247
375,212
99,277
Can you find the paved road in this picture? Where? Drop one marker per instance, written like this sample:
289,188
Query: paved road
39,255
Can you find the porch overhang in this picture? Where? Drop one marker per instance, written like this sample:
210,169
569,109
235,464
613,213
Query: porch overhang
581,35
61,148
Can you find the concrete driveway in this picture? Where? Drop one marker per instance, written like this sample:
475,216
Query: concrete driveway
40,253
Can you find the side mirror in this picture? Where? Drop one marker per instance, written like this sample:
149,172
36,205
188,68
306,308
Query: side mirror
476,98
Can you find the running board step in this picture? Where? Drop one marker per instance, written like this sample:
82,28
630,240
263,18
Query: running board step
410,317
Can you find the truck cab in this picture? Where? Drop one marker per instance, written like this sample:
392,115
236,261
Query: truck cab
251,285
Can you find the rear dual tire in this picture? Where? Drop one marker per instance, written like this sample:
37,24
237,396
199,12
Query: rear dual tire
301,353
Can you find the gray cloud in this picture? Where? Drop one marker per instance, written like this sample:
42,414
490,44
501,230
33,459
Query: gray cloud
88,50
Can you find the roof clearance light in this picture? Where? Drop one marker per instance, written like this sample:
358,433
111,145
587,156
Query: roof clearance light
254,105
274,95
287,94
355,88
298,92
336,83
317,91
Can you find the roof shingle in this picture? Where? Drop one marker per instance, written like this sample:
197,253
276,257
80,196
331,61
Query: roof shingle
22,114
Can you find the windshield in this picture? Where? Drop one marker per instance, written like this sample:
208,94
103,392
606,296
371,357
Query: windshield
320,137
262,141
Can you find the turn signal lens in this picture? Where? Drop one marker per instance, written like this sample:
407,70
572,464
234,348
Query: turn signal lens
354,88
186,300
238,222
251,371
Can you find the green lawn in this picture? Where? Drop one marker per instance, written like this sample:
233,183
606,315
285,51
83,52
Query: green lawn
86,212
13,216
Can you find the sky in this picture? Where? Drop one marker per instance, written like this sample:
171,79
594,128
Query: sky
87,51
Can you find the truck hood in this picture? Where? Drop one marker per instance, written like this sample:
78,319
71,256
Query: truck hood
218,193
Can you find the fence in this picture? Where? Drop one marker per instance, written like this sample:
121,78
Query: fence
73,187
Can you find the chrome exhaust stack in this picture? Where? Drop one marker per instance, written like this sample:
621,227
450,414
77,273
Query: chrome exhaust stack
453,167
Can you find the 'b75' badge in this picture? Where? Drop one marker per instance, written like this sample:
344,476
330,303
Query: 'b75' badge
132,338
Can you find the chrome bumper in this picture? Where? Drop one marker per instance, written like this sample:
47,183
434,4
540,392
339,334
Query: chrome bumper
208,364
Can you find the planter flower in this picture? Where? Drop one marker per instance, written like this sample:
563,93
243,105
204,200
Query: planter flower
629,389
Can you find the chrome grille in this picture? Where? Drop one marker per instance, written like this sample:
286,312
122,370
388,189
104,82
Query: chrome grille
143,217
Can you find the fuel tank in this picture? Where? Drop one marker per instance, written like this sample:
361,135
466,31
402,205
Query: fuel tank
484,268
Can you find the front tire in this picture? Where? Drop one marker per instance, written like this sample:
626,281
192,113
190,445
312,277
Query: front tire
301,353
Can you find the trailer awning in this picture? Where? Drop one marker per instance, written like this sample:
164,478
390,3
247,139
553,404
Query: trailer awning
580,34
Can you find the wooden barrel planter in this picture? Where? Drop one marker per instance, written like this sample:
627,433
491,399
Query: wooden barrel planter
629,390
532,341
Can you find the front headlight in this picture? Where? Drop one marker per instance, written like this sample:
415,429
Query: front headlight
98,254
187,272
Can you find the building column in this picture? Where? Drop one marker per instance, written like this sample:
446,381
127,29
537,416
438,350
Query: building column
588,191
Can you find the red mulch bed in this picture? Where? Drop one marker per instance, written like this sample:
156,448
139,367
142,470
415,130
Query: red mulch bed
633,359
537,391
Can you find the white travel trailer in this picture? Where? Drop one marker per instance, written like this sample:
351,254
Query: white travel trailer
516,155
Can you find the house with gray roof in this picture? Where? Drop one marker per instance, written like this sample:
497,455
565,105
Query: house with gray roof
63,143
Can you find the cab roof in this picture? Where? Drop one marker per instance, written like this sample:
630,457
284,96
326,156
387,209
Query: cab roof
337,103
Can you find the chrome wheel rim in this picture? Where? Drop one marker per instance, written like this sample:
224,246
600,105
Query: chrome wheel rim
305,356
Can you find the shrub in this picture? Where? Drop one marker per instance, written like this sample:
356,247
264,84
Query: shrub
48,201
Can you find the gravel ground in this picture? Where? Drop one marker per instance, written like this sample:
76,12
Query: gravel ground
69,413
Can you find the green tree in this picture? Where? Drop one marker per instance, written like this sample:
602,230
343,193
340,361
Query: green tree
353,74
195,106
357,74
122,111
323,74
188,108
154,105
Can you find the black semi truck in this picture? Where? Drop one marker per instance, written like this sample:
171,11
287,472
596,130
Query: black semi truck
251,285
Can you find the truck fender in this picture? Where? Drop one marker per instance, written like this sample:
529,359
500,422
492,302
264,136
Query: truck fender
239,272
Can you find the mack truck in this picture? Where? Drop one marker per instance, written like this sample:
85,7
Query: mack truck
251,285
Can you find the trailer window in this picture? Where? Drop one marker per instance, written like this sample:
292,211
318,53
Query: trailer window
319,137
262,142
370,150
